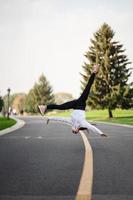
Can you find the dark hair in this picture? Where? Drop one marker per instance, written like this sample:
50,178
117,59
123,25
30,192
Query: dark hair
75,131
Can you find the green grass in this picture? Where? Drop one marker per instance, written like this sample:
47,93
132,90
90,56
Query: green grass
6,123
119,116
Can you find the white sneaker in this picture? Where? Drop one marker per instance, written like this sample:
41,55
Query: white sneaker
42,109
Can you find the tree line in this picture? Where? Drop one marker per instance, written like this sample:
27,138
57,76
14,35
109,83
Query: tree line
40,93
111,88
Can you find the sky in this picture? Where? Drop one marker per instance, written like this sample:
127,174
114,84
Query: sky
52,36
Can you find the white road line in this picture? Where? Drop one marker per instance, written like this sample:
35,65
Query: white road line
27,137
39,137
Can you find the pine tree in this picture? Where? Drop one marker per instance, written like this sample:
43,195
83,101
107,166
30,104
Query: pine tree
110,86
41,93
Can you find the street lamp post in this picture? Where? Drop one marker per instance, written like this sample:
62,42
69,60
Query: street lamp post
8,102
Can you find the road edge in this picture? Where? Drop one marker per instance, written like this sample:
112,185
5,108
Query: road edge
112,124
20,123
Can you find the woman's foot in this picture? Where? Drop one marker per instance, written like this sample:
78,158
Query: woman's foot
95,68
42,109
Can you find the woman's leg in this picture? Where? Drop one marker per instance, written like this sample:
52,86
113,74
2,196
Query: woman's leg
86,91
59,119
82,99
64,106
79,103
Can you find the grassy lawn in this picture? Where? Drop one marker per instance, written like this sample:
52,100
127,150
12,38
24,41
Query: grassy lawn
5,123
119,116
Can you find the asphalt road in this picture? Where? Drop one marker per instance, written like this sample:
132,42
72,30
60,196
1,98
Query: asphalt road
45,162
113,163
40,162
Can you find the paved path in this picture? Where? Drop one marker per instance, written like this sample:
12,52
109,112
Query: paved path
45,162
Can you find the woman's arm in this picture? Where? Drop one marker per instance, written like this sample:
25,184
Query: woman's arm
59,119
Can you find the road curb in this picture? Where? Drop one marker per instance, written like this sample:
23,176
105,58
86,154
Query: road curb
19,124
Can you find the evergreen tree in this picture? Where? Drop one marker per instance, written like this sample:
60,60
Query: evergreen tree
127,101
110,89
30,103
41,93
